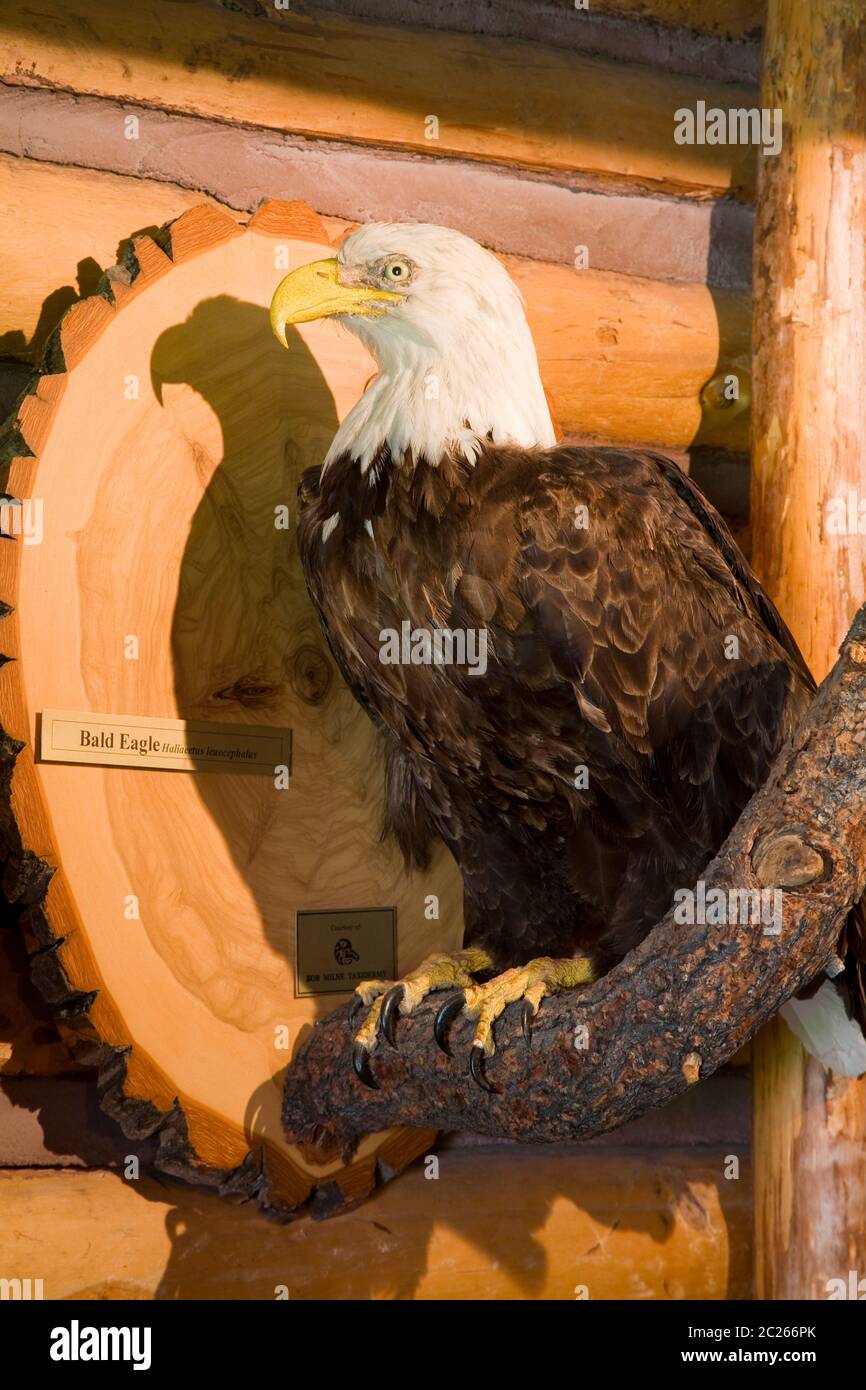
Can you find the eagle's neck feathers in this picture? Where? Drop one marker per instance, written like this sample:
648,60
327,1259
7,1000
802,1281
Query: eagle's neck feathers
449,392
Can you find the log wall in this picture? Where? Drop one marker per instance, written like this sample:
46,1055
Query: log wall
331,104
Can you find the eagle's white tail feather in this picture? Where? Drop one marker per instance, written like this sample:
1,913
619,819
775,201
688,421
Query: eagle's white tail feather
825,1030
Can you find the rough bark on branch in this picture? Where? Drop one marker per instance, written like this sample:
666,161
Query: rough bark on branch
674,1010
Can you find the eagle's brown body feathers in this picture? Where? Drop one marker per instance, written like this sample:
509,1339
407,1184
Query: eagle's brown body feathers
630,639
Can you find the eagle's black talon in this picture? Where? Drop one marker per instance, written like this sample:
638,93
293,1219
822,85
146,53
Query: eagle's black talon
355,1008
476,1069
388,1014
448,1012
527,1013
361,1063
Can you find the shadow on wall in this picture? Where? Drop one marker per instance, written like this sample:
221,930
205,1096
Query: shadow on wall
246,644
635,1220
18,353
720,469
54,306
245,640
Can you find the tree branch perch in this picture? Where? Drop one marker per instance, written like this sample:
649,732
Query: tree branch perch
673,1011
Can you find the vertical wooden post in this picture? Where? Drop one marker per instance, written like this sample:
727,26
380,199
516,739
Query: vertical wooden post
808,482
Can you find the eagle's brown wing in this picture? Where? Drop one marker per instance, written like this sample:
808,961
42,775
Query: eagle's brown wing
650,638
852,983
720,536
630,636
627,636
643,604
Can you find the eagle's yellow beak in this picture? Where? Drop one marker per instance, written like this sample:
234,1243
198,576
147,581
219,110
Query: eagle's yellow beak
314,291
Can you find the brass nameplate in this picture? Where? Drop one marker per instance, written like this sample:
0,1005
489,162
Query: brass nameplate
182,745
334,951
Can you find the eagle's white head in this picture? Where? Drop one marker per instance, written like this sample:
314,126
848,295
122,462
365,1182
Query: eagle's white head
446,325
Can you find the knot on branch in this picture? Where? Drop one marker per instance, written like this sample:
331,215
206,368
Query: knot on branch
786,860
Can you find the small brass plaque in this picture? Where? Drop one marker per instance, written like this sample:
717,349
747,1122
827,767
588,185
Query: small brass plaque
334,951
180,745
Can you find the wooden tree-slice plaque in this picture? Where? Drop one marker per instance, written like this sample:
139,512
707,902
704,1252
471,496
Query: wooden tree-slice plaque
166,429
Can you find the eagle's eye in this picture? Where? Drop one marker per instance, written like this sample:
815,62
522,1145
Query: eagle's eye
397,271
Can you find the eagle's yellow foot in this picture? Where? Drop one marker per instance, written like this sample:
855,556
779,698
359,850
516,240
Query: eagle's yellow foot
387,998
530,982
